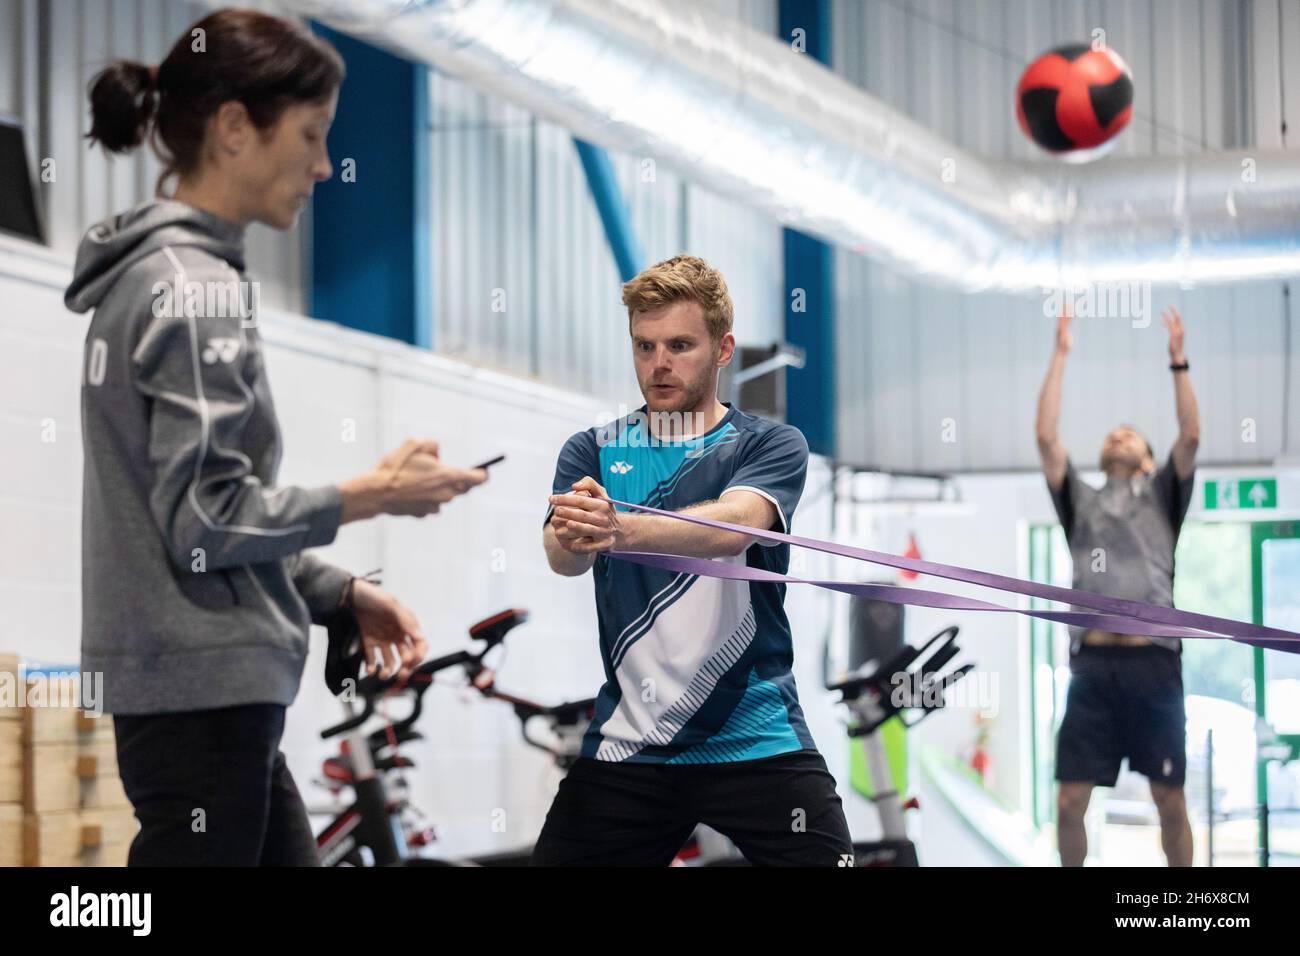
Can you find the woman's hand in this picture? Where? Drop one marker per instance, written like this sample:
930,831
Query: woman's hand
409,480
390,633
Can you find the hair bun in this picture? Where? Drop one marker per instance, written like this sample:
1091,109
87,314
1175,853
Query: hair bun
122,104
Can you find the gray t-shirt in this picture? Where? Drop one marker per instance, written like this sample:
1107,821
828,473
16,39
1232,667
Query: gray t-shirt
1122,536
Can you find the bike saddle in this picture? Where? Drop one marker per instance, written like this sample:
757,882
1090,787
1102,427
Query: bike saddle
495,628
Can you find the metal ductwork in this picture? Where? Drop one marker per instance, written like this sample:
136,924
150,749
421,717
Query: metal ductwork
741,113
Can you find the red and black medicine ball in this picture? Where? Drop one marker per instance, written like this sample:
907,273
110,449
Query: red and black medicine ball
1075,98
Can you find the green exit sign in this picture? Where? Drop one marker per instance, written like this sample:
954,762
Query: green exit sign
1240,493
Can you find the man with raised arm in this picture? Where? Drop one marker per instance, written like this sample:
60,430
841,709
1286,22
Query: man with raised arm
1126,692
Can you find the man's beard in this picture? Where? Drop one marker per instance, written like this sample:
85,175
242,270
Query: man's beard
690,395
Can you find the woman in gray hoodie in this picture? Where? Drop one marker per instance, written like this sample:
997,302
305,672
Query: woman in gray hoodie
197,588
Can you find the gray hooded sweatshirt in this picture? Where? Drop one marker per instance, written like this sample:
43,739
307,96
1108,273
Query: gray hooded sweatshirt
196,592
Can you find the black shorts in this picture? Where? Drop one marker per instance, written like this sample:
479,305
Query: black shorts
1123,702
779,810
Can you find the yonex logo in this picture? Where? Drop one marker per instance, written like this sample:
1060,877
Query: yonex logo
846,859
224,350
619,468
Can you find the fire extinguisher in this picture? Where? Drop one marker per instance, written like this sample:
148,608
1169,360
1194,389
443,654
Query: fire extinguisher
981,760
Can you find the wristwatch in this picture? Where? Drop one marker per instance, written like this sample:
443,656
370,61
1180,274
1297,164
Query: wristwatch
1182,366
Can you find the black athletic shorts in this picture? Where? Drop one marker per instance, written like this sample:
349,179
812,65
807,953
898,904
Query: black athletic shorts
1123,702
778,811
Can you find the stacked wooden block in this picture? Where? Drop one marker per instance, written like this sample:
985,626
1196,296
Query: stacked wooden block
73,809
11,769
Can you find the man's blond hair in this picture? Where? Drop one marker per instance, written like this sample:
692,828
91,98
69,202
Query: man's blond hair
682,279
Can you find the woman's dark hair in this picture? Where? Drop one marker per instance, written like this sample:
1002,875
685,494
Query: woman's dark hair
264,62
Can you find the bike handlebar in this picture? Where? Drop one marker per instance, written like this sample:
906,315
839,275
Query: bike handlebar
368,689
492,631
902,684
902,663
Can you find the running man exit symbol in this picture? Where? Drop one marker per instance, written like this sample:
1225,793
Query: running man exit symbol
1222,494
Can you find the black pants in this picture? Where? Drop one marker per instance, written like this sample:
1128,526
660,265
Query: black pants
778,811
211,788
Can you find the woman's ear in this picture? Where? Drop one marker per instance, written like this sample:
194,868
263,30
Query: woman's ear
230,126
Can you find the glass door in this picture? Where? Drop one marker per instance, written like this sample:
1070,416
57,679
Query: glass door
1214,576
1275,570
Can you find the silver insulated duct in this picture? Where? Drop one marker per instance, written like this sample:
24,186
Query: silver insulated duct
743,114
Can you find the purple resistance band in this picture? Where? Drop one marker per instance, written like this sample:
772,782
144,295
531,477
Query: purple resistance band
1120,615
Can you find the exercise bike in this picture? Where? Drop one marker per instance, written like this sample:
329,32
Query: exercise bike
377,828
564,726
913,680
566,722
381,827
